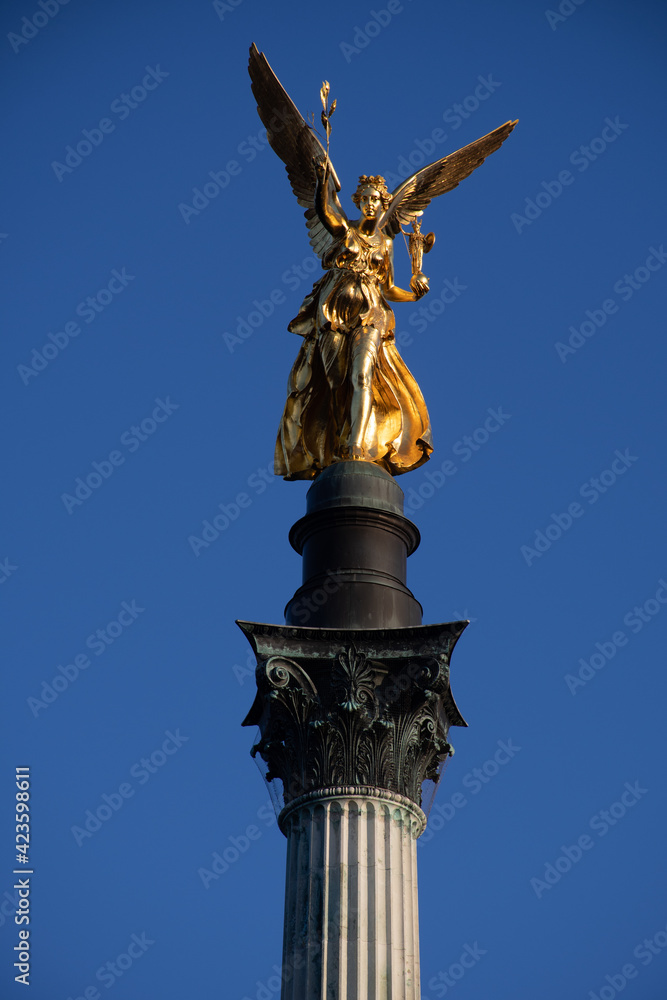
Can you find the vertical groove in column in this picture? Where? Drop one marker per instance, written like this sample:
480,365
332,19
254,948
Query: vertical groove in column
328,886
396,902
402,957
288,941
300,898
388,963
304,901
318,836
415,909
408,951
365,962
295,899
354,881
411,853
332,931
346,873
294,890
411,944
381,865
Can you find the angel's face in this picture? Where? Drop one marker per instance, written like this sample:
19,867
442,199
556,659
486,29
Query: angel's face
370,202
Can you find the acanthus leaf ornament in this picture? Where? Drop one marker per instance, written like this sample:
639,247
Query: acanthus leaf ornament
352,712
353,680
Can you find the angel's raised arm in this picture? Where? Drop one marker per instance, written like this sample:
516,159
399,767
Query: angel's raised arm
327,205
297,145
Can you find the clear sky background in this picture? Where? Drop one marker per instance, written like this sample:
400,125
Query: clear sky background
548,534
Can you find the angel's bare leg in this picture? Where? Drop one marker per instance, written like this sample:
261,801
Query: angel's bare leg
364,344
334,357
334,352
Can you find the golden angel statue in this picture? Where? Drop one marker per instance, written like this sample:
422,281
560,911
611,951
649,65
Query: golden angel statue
350,394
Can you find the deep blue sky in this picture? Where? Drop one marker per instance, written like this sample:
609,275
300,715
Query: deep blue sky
165,332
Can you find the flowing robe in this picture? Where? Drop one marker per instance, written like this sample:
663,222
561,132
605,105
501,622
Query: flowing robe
338,318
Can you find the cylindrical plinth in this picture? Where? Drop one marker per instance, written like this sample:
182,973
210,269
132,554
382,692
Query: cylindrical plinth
355,541
351,919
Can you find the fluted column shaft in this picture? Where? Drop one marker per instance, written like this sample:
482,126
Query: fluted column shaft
351,916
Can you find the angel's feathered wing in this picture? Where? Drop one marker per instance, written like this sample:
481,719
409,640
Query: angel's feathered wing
294,141
412,196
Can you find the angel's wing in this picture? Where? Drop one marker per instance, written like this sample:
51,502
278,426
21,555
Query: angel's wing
294,141
412,196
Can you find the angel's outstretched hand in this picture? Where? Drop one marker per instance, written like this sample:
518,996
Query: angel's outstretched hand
419,285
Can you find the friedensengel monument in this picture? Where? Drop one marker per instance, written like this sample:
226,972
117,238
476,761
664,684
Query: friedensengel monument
353,703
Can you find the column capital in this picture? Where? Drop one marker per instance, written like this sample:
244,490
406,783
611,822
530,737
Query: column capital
353,707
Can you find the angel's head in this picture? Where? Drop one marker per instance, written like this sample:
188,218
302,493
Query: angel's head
371,194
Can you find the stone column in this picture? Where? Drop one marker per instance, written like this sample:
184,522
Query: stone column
351,923
352,722
354,709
